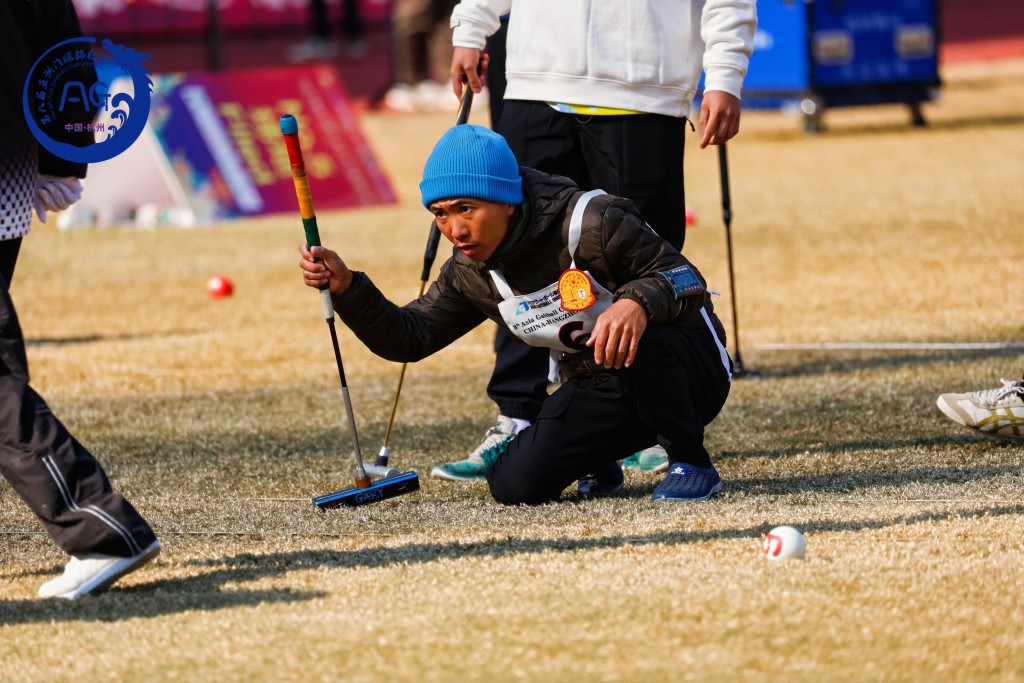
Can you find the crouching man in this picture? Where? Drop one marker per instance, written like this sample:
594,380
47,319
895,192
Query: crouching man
634,338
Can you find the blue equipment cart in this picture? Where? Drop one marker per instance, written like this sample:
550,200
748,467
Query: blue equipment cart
816,54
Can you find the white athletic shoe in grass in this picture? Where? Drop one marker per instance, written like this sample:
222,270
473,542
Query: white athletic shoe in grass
94,573
997,412
480,461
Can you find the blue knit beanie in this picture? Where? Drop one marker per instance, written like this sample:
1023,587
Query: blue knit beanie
471,161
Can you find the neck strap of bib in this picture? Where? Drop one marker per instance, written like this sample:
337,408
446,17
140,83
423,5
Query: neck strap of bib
575,229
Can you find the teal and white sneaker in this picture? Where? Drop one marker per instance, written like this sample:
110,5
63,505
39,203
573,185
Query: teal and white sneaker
480,461
653,459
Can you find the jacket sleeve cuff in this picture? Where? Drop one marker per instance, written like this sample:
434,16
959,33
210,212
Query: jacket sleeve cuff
356,296
725,78
467,33
639,298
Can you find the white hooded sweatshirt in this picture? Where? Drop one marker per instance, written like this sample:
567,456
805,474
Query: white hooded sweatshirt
639,55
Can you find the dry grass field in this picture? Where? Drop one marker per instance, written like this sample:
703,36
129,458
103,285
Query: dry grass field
220,419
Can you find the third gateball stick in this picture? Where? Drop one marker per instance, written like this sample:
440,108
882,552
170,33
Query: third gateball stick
290,131
429,254
738,369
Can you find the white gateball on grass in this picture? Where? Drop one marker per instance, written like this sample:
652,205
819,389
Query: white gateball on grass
784,543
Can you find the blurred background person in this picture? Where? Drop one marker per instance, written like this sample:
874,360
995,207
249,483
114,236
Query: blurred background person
56,476
421,44
320,46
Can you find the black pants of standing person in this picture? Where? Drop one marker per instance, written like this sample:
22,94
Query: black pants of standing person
352,21
677,384
496,72
638,156
59,479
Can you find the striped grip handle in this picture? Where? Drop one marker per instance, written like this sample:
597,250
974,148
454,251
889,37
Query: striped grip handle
290,131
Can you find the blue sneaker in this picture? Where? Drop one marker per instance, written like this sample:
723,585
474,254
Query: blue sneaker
686,483
480,461
606,481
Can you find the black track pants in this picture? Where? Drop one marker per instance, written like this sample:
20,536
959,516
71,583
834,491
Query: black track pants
54,474
519,380
676,386
637,156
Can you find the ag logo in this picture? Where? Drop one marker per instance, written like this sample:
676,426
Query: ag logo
70,85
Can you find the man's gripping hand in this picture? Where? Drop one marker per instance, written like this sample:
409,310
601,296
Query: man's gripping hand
719,118
469,67
617,332
321,266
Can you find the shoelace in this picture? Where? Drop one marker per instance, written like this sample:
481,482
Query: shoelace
996,397
493,439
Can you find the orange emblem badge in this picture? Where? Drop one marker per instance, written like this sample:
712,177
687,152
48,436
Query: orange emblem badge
575,290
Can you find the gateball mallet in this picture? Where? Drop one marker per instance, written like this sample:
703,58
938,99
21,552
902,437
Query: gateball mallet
428,261
365,489
738,370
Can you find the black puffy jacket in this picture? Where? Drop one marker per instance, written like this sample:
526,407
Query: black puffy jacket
616,246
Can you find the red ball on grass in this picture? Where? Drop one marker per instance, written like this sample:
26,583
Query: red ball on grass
219,286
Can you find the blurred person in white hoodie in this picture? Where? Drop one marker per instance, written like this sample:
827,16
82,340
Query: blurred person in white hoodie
600,92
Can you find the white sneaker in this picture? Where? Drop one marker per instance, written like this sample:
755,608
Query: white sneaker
425,96
481,460
401,97
998,412
94,573
433,96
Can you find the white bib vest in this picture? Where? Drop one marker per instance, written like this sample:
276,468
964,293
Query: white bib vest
538,318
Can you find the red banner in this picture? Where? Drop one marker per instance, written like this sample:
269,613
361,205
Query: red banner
222,137
188,18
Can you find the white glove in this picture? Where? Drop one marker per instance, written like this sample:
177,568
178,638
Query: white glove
55,194
37,204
